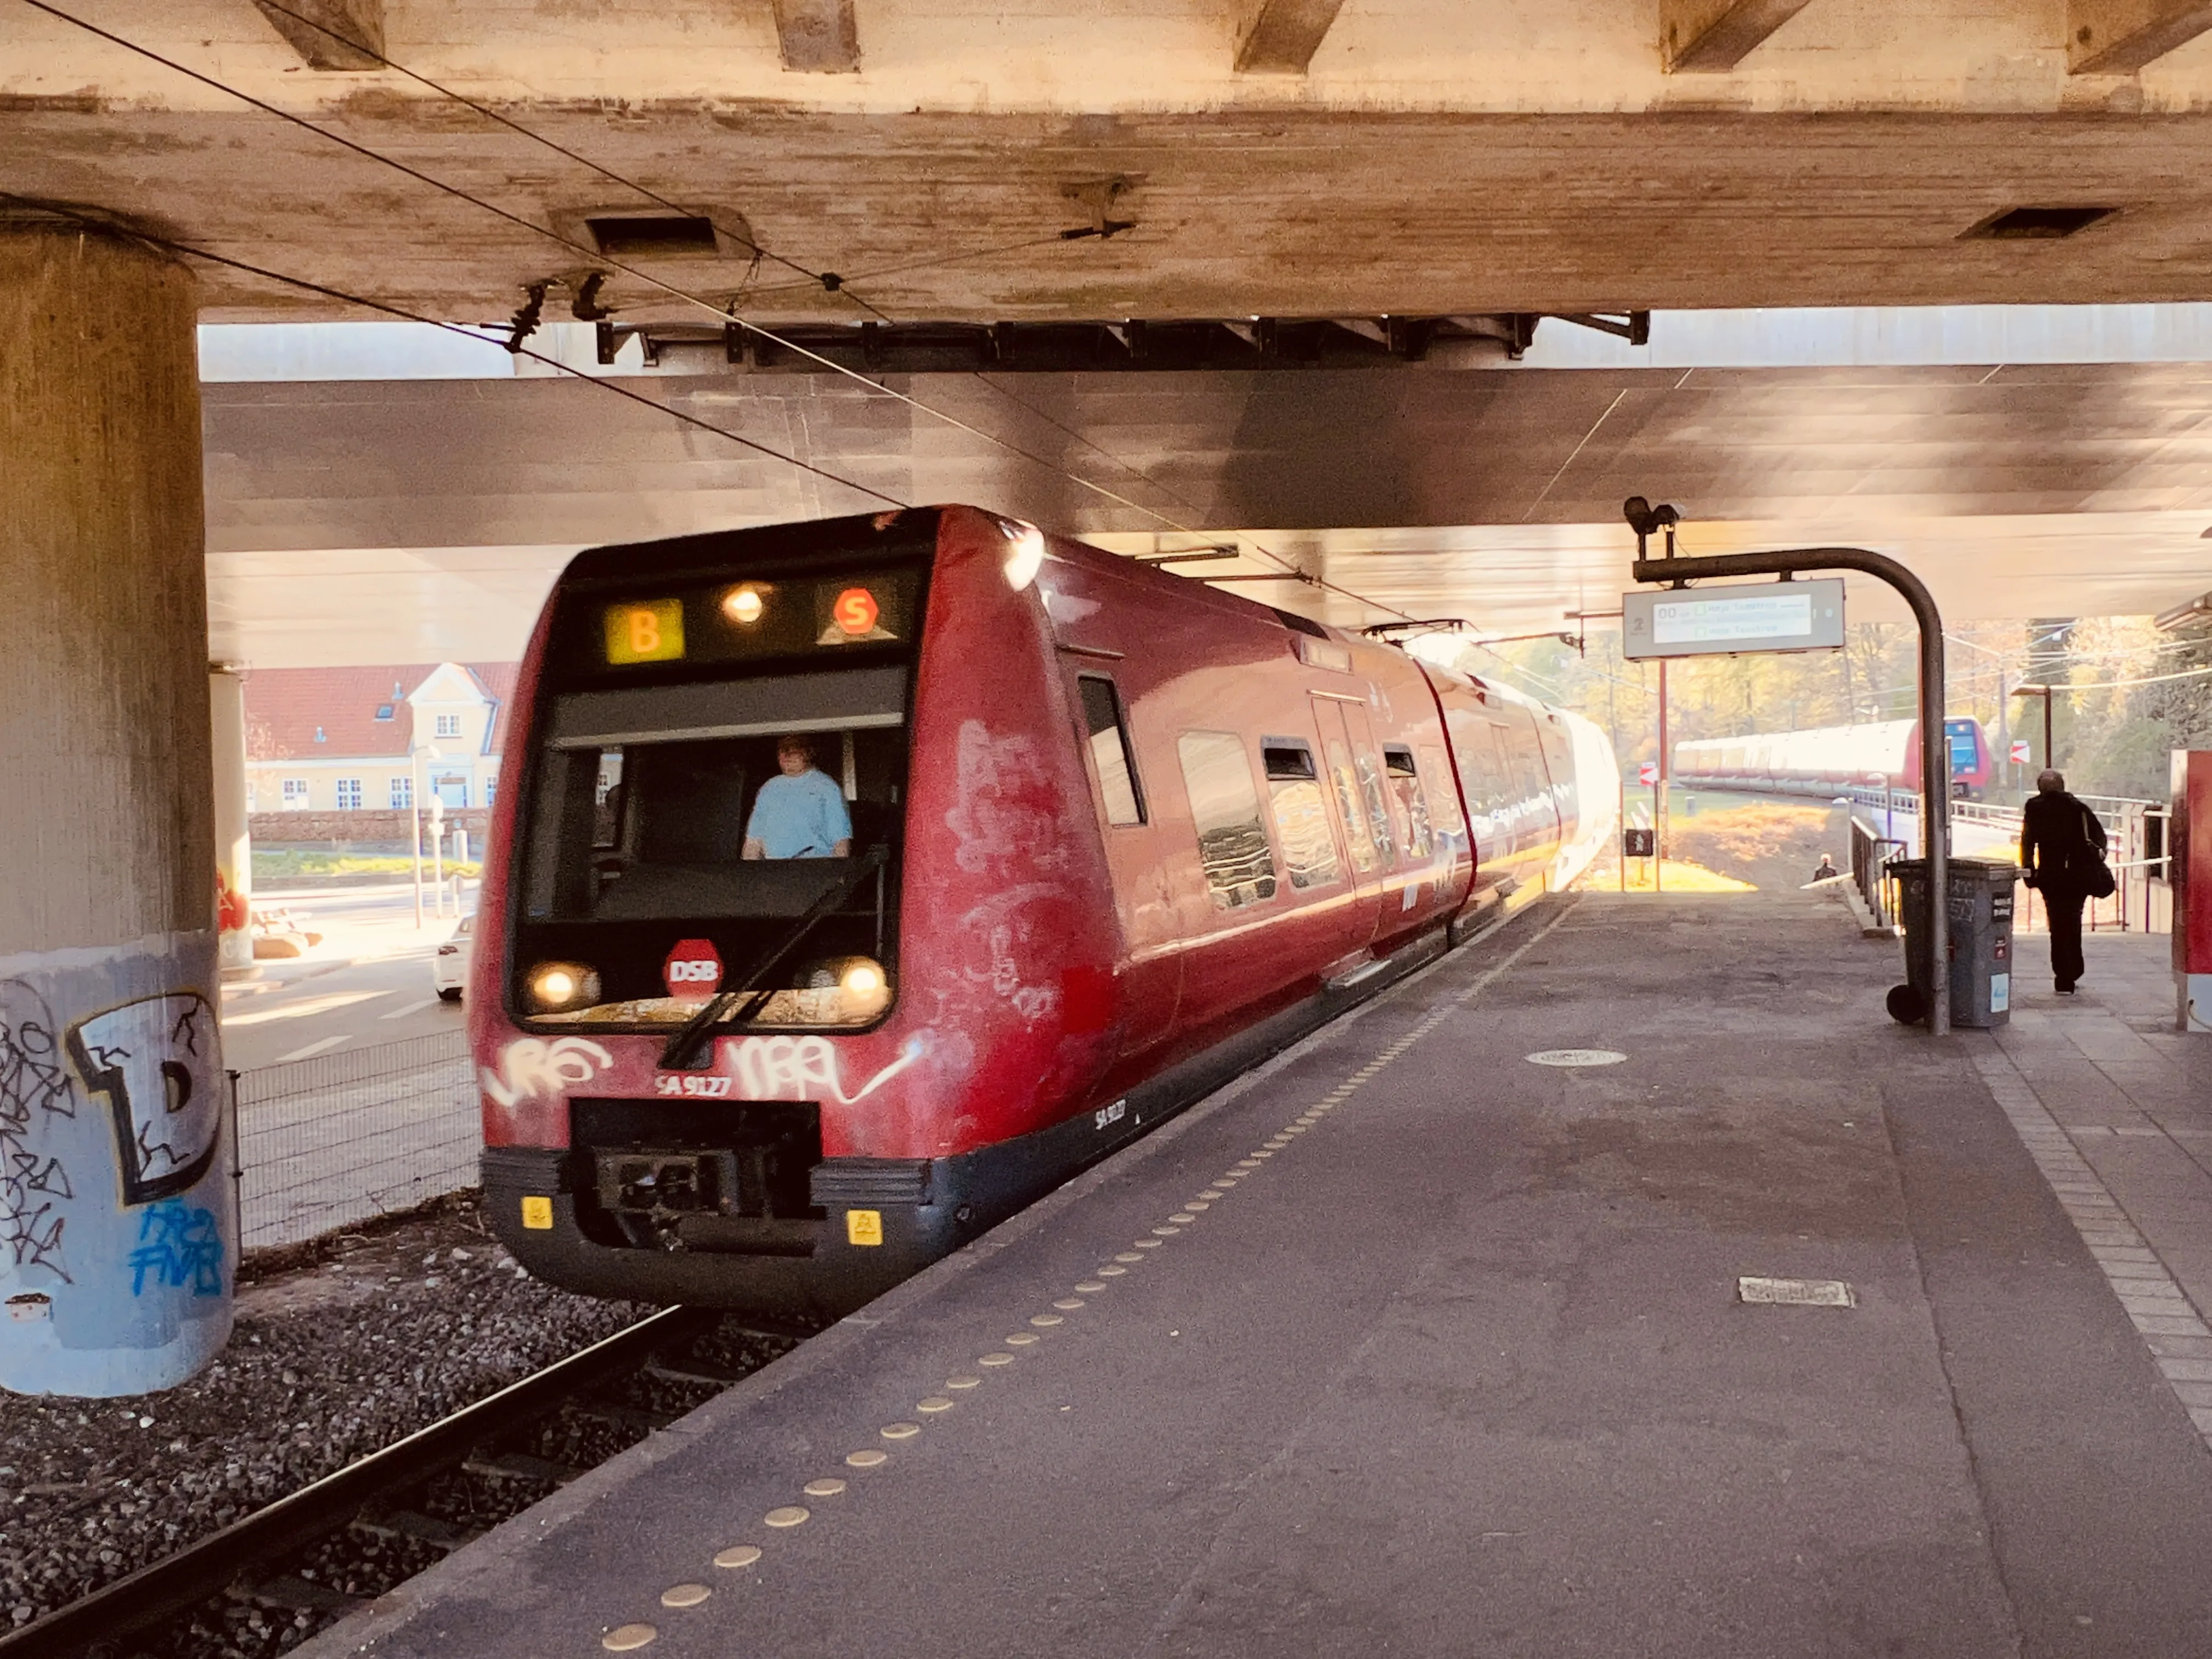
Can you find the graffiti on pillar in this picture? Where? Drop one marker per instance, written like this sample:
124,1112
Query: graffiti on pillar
34,1083
155,1061
177,1245
232,912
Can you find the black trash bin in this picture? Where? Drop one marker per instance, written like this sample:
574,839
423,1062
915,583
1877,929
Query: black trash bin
1981,942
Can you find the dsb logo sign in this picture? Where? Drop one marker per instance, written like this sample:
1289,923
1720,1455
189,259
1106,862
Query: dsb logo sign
693,970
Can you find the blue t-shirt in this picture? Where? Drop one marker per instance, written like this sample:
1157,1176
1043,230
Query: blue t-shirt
800,817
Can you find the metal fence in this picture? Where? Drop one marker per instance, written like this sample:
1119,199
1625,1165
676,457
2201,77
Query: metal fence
323,1143
1871,852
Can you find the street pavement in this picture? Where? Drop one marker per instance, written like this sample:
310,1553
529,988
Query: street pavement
368,981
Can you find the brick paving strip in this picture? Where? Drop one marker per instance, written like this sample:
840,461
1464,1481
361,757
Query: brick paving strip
2118,1117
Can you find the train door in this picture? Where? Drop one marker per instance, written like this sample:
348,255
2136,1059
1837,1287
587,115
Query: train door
1514,834
1538,836
1362,816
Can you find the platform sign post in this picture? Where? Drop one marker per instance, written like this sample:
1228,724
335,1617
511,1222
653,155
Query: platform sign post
1620,817
1647,774
1788,615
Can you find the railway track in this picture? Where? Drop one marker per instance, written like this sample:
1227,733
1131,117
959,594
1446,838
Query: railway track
265,1583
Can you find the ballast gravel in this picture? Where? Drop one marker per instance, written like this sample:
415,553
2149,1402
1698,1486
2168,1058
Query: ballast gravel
331,1360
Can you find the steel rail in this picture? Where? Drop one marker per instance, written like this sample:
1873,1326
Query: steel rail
203,1569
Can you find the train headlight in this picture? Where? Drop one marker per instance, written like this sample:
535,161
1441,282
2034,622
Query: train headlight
744,605
844,989
557,985
1024,552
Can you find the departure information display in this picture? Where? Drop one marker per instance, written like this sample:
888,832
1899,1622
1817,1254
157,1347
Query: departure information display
1793,615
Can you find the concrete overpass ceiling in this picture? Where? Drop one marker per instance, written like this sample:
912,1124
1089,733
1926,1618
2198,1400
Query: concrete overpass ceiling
830,162
1425,157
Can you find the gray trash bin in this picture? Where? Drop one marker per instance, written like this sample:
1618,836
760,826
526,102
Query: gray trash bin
1981,941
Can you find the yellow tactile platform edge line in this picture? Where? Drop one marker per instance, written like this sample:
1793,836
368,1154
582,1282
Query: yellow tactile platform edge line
637,1633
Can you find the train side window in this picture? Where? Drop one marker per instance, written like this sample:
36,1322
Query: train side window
1109,734
1445,807
1405,782
1224,807
1301,814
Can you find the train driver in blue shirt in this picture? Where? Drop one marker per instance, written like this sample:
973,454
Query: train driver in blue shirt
800,814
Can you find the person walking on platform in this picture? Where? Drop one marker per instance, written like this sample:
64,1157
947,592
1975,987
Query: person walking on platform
2061,846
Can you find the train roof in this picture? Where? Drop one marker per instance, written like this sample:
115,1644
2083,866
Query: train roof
912,530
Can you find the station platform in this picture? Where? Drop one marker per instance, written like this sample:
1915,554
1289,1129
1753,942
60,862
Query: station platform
1408,1344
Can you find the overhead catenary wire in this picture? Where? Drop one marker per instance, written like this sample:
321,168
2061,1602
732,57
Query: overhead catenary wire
168,245
2115,685
2073,655
815,277
721,313
829,281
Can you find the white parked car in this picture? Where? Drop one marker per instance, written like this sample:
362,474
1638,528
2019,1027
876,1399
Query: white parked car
449,968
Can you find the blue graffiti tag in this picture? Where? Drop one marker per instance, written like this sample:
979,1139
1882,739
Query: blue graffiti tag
178,1246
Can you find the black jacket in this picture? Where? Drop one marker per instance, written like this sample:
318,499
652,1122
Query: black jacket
2057,833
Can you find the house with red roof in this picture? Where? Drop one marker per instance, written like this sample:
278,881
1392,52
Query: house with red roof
341,754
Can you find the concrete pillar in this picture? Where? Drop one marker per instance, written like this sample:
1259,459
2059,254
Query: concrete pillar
233,842
117,1240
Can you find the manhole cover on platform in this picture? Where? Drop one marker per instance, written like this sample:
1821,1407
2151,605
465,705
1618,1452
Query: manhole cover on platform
1797,1292
1576,1057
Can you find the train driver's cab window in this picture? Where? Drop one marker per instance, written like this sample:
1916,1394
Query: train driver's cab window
1224,805
1301,815
703,826
1108,735
749,798
1410,801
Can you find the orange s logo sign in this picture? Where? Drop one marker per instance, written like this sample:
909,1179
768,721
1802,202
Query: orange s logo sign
855,611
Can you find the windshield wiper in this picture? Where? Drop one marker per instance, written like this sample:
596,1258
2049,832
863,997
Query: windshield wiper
687,1048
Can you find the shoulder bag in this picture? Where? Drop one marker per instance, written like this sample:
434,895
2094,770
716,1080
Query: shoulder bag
2096,875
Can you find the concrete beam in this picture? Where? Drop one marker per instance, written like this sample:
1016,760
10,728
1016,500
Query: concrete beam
1280,37
329,34
1711,37
818,37
2118,37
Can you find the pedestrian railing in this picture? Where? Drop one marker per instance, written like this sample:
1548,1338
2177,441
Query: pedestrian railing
325,1143
1871,854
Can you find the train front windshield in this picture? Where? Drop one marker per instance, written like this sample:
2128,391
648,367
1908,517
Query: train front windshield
716,802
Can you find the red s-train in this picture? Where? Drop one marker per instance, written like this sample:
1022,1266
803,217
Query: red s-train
1109,835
